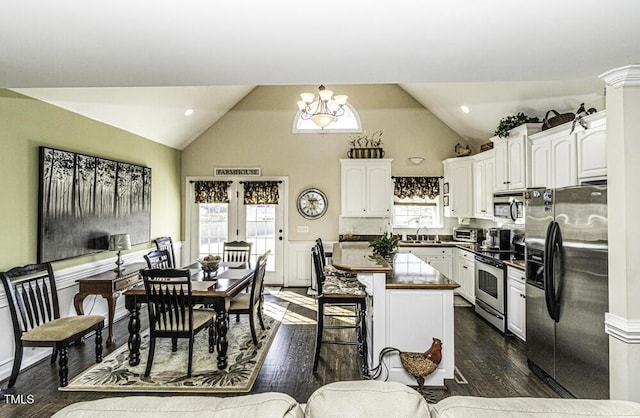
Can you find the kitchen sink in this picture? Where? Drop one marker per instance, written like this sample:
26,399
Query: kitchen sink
421,241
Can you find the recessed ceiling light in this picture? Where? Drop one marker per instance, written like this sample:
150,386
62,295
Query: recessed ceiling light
465,109
188,112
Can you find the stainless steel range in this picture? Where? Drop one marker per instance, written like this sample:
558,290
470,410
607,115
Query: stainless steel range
491,302
491,282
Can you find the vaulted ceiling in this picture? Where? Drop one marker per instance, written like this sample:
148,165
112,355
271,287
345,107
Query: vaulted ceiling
139,64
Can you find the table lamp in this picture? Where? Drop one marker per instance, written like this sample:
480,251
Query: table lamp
119,242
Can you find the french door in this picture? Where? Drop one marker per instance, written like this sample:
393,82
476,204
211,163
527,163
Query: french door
211,224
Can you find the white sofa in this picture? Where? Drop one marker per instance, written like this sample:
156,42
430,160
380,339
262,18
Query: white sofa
347,399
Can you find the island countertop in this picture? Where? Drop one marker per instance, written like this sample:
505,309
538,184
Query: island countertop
408,271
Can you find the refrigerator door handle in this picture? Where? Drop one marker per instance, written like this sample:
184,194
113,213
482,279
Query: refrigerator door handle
549,286
558,280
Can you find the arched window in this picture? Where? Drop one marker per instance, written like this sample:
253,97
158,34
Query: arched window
347,123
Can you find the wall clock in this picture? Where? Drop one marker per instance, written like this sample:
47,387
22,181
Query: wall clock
312,203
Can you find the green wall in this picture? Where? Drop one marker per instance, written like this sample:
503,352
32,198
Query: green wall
26,124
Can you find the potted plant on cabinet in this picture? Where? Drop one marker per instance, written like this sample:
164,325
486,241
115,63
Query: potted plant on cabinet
386,246
365,146
509,122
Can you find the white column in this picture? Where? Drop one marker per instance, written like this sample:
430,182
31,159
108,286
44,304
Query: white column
622,323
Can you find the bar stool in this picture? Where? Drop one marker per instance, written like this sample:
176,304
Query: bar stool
336,291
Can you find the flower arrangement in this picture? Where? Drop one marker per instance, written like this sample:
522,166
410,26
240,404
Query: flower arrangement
364,141
509,122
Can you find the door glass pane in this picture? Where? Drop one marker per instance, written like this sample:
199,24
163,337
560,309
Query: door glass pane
214,220
261,231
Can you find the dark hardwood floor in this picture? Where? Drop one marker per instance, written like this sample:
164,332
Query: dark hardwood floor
493,364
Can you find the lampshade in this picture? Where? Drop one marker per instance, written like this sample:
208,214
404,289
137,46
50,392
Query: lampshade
118,242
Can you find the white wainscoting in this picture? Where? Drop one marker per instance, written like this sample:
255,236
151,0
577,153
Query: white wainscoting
299,264
66,282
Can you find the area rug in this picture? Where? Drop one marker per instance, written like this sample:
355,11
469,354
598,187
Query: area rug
169,370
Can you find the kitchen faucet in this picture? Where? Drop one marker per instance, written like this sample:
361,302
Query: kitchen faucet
436,238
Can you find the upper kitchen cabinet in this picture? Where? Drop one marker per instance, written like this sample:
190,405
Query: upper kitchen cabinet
366,187
458,172
592,148
483,184
511,169
560,158
553,159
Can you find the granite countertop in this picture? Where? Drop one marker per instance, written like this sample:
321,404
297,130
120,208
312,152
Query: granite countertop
356,257
408,271
519,264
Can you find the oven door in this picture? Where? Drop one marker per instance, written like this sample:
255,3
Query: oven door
490,284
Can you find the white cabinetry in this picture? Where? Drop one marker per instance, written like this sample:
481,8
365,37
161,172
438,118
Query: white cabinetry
511,154
592,148
465,274
483,184
440,258
366,187
560,158
516,302
458,172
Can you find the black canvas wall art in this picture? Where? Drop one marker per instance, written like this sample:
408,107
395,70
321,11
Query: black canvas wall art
84,199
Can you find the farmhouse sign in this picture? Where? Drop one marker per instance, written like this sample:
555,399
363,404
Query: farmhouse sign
255,172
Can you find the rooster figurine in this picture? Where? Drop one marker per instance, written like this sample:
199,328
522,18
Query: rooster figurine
419,365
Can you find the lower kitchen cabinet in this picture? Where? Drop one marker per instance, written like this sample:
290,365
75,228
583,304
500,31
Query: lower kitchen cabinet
440,258
465,274
516,302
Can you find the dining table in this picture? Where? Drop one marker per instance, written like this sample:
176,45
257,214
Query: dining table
210,289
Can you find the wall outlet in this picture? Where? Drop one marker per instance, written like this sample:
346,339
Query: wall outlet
302,228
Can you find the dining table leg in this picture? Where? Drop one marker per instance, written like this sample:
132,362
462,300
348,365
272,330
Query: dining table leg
222,325
134,334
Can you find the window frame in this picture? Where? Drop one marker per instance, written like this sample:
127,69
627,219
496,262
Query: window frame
358,129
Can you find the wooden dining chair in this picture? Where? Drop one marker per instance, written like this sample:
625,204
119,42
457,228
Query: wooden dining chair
339,292
35,314
166,243
237,251
171,312
158,259
252,303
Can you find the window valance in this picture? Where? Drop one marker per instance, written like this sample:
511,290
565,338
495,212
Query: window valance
424,187
261,192
211,191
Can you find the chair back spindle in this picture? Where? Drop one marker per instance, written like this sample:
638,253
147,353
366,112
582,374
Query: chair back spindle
158,259
32,295
169,300
166,244
237,251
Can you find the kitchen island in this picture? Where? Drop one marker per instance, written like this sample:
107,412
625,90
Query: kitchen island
409,304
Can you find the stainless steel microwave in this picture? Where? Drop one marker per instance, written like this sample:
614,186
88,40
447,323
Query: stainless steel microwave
508,207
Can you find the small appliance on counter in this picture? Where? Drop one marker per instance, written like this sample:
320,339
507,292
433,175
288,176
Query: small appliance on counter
472,235
498,239
518,246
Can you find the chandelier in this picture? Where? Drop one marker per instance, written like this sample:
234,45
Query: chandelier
323,109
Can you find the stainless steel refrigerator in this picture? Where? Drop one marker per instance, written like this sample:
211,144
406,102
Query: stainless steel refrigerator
567,289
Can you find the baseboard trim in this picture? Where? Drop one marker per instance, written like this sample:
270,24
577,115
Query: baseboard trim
626,330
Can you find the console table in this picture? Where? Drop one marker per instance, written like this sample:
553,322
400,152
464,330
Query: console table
110,285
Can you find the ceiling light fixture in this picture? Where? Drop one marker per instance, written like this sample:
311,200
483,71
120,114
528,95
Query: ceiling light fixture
323,109
188,112
416,160
465,109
